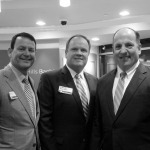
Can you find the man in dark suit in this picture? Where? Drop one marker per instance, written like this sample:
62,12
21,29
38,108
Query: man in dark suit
122,120
18,115
65,122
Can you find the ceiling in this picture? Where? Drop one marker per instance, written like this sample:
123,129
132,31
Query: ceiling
93,18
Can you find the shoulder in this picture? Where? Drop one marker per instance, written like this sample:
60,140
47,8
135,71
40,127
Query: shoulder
91,78
1,72
52,73
143,69
108,75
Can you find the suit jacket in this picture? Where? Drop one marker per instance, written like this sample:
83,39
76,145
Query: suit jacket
129,129
18,129
62,124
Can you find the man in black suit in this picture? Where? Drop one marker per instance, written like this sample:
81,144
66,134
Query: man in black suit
67,111
122,120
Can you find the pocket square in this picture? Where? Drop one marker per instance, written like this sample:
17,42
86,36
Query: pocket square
12,95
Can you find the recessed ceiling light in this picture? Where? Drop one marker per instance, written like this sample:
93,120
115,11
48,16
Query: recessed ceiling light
124,13
40,23
64,3
95,39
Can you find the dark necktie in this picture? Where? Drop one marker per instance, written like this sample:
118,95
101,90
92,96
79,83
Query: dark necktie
82,94
119,92
28,94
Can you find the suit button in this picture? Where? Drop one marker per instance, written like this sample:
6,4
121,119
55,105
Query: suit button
34,144
83,140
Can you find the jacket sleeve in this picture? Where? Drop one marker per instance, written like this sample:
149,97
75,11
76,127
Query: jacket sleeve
46,101
95,141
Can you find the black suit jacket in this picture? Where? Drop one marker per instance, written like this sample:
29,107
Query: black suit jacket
62,123
130,128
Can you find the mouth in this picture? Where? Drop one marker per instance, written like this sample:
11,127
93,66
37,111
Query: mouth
79,58
124,57
25,60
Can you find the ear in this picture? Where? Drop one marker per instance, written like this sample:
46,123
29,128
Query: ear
9,52
66,53
113,48
139,48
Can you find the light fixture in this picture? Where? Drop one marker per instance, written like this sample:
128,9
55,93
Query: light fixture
64,3
40,23
95,39
124,13
103,47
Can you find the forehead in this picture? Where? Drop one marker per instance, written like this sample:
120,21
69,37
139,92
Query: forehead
78,42
125,35
23,41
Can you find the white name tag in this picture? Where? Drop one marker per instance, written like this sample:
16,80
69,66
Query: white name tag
13,95
65,90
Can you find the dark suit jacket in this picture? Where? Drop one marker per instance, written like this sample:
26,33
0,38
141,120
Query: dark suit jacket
62,124
130,128
18,129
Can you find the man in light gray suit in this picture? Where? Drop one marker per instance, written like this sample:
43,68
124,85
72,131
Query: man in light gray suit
19,107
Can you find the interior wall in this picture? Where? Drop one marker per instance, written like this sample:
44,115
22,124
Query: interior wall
50,56
92,66
46,60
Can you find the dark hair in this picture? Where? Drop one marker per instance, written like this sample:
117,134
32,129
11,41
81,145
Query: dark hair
22,34
136,34
77,35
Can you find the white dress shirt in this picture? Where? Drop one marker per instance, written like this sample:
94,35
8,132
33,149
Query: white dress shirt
83,81
127,78
20,78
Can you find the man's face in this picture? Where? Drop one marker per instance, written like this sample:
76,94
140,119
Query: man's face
22,56
126,49
77,54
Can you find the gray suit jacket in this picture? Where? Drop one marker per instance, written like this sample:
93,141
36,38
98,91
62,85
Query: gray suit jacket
18,129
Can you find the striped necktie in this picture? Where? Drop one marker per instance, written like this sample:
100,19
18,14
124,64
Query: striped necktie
119,91
28,94
82,94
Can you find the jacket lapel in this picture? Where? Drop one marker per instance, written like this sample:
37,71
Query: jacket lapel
90,86
70,83
15,86
110,81
36,100
135,82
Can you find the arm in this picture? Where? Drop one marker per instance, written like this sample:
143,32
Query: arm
96,129
46,100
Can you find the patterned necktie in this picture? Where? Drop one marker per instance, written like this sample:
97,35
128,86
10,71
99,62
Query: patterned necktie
82,94
119,92
28,94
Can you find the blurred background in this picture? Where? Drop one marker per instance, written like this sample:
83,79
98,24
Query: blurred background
51,25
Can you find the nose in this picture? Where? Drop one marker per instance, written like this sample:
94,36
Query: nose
26,52
79,51
123,49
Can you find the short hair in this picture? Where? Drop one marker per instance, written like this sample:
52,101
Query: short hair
136,34
22,34
77,35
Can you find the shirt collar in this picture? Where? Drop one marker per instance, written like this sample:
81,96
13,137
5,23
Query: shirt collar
130,71
73,73
17,73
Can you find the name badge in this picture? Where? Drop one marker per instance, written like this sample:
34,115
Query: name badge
65,90
12,95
